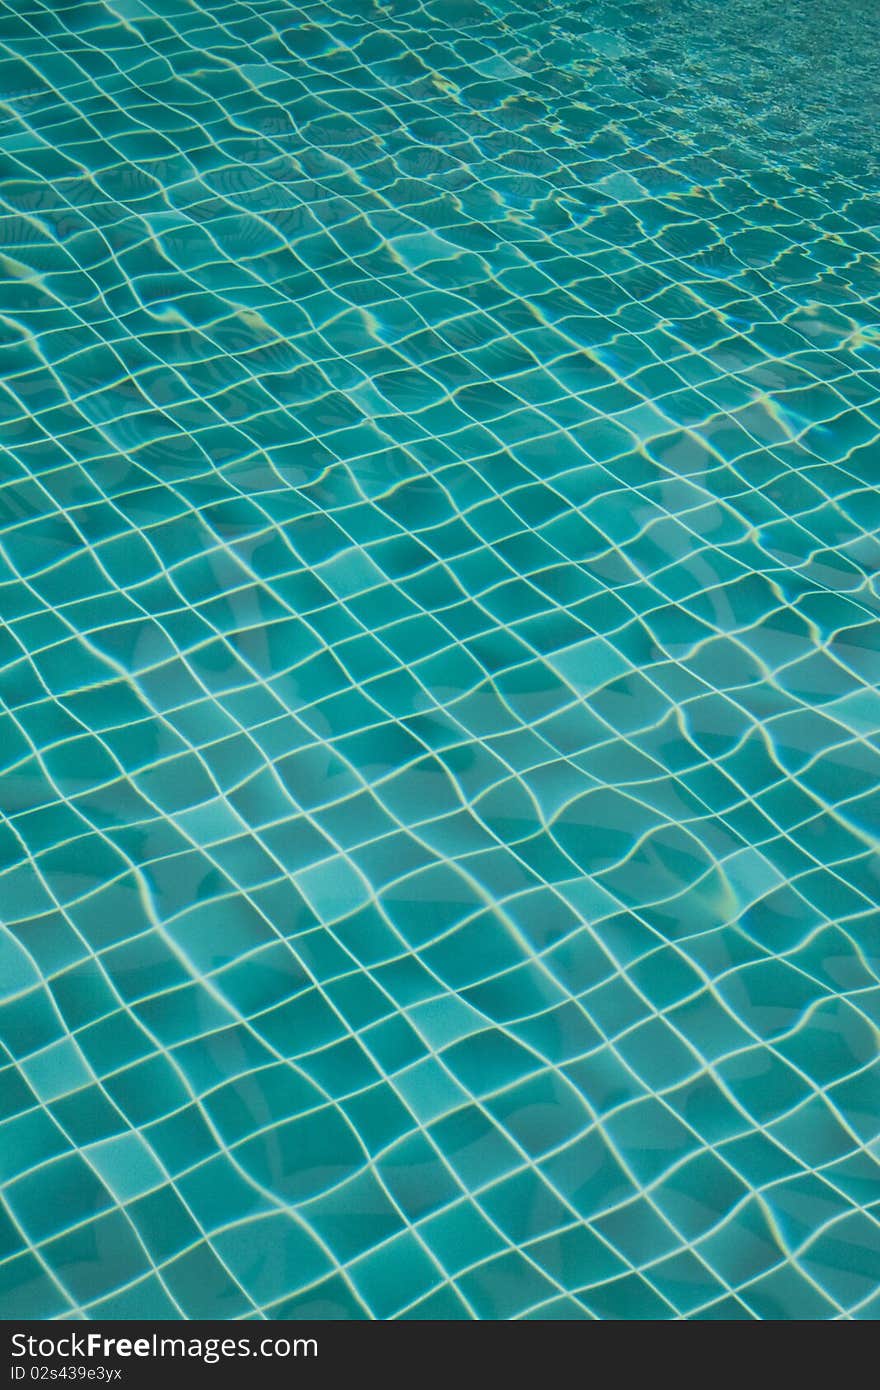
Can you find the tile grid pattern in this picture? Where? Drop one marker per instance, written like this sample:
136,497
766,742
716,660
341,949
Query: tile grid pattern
438,555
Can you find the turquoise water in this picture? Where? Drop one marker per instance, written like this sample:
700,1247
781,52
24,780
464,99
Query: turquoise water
439,672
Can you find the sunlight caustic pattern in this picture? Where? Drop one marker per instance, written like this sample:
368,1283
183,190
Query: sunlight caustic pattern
439,714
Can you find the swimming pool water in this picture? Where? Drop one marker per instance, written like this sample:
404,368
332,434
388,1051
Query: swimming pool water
439,672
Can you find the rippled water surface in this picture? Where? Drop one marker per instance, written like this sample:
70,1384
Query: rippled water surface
439,675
